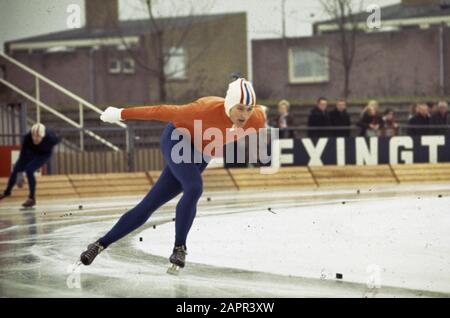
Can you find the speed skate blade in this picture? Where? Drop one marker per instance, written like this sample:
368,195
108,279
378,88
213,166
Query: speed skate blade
173,270
77,264
31,208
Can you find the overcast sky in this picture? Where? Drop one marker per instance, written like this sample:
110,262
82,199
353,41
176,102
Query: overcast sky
24,18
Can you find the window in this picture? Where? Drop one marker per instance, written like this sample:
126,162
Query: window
59,49
128,66
388,28
308,65
175,67
114,66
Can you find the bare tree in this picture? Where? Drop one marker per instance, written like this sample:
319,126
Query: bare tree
342,13
156,52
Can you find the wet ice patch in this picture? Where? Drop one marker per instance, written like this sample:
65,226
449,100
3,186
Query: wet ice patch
405,238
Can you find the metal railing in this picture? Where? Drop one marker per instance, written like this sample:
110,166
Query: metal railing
144,145
144,154
356,131
82,104
12,123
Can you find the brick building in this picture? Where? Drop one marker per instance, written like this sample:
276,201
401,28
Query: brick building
112,62
408,56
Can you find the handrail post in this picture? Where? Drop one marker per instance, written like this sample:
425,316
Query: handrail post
54,85
23,119
38,99
129,135
80,107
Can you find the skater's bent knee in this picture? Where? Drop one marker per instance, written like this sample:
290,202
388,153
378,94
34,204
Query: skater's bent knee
194,188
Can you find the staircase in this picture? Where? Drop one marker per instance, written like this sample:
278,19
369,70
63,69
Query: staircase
84,109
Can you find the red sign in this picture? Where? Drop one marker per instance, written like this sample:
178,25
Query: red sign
8,156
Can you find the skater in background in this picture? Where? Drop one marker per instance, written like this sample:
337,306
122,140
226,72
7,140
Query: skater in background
37,146
237,110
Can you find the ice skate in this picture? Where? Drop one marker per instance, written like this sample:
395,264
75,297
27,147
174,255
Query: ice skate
88,256
177,259
29,203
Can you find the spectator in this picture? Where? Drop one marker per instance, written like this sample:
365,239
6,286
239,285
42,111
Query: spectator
373,103
284,120
340,118
441,118
371,121
431,107
390,126
421,118
412,111
319,118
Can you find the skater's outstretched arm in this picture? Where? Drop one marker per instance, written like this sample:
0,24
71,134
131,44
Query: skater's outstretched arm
165,113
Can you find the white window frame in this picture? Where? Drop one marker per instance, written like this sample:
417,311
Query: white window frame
311,79
176,52
118,67
132,66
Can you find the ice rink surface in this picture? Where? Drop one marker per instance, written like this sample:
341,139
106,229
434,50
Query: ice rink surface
388,241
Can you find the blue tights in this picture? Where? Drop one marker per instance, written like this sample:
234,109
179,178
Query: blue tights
174,179
29,163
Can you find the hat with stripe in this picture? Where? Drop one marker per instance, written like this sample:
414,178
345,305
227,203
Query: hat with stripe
239,92
38,129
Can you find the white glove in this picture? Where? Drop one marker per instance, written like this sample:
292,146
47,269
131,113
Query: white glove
111,115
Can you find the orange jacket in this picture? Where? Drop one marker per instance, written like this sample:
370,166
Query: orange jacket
209,110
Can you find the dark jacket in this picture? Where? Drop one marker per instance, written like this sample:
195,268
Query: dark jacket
439,120
318,118
419,120
389,128
366,120
338,119
44,148
285,133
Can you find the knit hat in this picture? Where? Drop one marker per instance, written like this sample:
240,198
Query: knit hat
38,129
239,92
